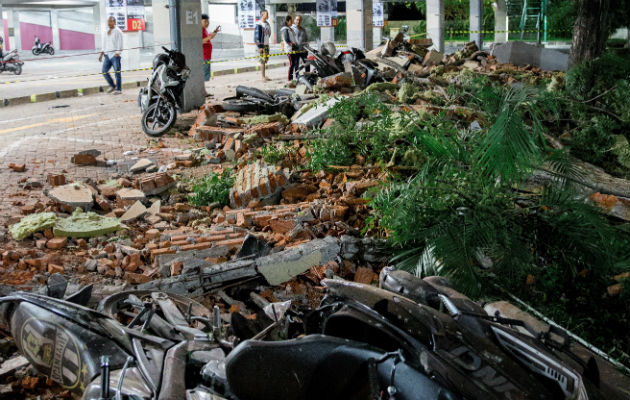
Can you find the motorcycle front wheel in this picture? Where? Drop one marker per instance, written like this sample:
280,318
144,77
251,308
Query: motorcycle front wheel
35,52
18,69
51,51
158,118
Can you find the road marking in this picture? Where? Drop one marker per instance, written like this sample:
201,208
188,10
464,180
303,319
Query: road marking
50,121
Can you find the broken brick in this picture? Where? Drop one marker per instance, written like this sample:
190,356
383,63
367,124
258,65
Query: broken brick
56,179
57,243
17,167
55,269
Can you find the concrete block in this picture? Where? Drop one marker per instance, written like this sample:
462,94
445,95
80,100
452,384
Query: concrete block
73,196
517,53
316,115
554,60
283,266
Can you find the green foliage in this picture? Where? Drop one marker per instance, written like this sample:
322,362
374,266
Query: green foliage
275,154
340,30
212,188
591,78
561,17
420,27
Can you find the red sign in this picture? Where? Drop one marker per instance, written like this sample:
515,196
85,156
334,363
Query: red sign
135,24
334,21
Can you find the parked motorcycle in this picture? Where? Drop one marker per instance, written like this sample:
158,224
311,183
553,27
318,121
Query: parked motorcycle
162,96
39,48
11,63
409,339
249,99
326,62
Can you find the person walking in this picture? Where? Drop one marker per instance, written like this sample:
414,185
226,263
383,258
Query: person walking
207,45
261,37
301,39
288,38
112,48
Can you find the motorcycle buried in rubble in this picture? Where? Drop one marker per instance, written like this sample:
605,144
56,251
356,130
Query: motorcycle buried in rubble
362,342
11,62
162,96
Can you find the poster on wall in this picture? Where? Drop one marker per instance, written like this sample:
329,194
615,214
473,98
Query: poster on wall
118,10
378,18
135,15
246,14
324,12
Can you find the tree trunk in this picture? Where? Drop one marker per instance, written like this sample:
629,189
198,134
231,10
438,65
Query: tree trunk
590,31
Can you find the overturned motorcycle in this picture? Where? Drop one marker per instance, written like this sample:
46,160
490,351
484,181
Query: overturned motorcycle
326,62
410,339
250,99
162,96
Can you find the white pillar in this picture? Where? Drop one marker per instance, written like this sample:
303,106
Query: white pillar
6,39
54,25
204,7
273,17
500,21
377,36
359,23
130,59
13,18
161,26
476,17
327,34
435,23
98,28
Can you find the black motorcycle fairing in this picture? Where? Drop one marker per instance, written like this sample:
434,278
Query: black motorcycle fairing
60,348
410,286
322,367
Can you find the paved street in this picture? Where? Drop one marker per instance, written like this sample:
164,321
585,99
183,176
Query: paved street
50,74
44,136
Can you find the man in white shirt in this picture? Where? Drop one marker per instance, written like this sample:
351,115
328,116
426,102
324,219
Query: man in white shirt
112,48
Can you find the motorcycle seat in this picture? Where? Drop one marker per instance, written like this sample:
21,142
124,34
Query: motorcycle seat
320,367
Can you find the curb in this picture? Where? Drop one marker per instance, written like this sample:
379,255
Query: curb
64,94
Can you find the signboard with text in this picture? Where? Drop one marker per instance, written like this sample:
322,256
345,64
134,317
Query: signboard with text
378,15
246,14
129,14
326,12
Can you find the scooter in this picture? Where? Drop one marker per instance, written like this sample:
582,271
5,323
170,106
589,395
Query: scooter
160,99
11,63
250,99
40,48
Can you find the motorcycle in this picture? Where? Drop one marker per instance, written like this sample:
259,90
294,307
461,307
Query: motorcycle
39,48
411,338
323,62
11,62
249,99
162,96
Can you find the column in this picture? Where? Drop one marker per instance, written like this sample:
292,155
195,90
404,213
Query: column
359,23
189,19
97,17
6,39
161,26
377,35
13,18
273,22
130,59
476,14
500,21
54,25
204,7
327,34
435,23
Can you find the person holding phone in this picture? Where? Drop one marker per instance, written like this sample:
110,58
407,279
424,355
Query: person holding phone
207,44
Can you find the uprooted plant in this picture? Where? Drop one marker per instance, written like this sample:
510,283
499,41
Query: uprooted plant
475,214
213,188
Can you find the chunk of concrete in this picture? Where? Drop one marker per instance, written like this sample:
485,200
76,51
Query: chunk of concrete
85,224
281,267
554,60
141,165
154,209
517,53
127,194
73,195
32,223
316,115
134,212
